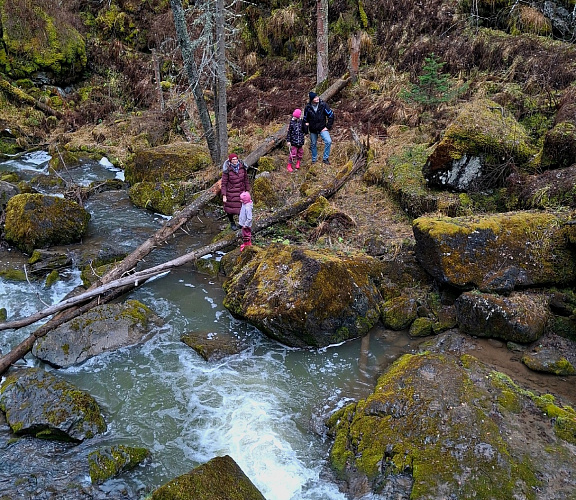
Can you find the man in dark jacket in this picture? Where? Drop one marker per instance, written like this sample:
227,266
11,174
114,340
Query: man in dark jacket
318,119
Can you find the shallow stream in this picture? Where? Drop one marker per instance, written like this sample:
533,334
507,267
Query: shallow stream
264,407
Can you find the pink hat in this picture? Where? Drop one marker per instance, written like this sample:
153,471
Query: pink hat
297,113
245,197
232,155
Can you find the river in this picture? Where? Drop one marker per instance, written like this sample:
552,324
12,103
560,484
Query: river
264,407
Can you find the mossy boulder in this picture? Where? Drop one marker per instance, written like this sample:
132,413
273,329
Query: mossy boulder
40,43
43,405
110,461
174,162
43,262
497,253
548,361
38,221
478,148
218,479
549,190
213,346
399,312
559,149
436,423
160,197
306,298
104,328
520,317
263,193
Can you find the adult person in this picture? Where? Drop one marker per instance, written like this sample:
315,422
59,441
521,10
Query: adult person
318,119
234,182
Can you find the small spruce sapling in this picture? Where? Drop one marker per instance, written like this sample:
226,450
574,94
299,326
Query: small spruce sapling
433,87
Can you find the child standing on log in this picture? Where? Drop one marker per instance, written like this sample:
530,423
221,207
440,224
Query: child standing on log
245,220
295,140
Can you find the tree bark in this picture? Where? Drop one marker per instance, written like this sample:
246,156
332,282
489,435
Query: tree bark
156,64
113,288
194,77
221,102
321,41
354,56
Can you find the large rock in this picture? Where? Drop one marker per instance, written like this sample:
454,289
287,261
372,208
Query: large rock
174,162
552,188
38,221
521,317
478,148
305,298
110,461
46,406
160,197
104,328
448,426
559,148
7,191
497,253
40,43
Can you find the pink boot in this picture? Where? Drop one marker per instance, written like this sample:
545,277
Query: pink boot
289,167
242,247
297,164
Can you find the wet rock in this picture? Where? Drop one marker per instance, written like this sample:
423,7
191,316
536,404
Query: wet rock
218,479
43,262
159,197
104,328
38,221
305,298
7,191
480,142
548,361
436,418
213,346
110,461
497,253
521,317
43,405
399,313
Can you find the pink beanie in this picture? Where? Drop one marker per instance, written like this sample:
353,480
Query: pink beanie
231,156
245,197
297,113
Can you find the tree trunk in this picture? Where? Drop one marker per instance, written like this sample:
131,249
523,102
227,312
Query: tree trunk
113,288
221,102
354,56
321,41
156,64
194,77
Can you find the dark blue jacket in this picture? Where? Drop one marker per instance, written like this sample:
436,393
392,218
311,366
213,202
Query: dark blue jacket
295,135
317,120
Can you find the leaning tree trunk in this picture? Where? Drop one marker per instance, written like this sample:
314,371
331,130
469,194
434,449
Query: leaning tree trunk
194,77
112,289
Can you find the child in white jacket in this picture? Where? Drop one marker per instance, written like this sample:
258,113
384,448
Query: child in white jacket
245,219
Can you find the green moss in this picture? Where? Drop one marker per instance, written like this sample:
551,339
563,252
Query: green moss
52,278
264,194
109,462
161,197
3,314
266,164
13,274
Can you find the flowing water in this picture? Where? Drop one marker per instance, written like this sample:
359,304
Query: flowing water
264,407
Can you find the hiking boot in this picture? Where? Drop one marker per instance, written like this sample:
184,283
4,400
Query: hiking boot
242,247
326,161
289,167
297,164
234,227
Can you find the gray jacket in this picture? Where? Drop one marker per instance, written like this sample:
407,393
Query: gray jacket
245,218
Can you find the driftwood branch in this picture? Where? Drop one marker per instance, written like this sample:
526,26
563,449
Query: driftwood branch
122,278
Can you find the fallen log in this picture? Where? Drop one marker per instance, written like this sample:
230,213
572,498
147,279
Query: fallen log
122,276
22,96
115,288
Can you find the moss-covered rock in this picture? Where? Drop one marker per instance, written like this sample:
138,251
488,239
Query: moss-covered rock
263,193
548,361
174,162
213,346
218,479
431,425
41,404
304,297
108,462
398,313
36,221
559,149
478,148
160,197
39,39
497,252
104,328
520,317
